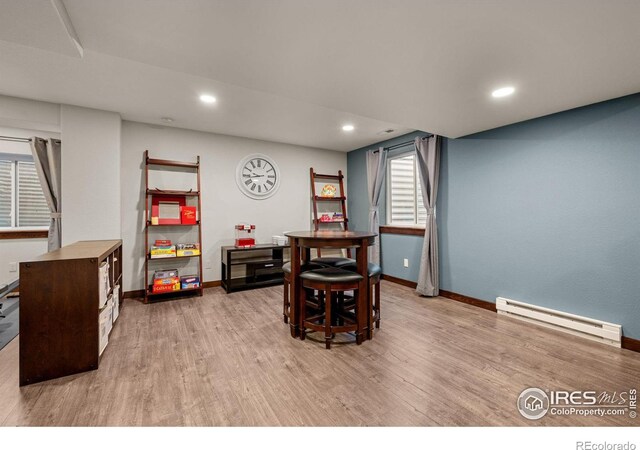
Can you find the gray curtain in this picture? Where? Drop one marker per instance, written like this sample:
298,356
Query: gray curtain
46,156
376,170
428,155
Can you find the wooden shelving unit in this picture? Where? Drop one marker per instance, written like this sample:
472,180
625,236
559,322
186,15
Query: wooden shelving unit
172,192
172,258
60,310
341,199
149,227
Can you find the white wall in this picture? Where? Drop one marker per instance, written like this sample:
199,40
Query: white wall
17,250
223,204
29,114
90,174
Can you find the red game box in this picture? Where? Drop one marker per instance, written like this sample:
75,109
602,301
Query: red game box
188,215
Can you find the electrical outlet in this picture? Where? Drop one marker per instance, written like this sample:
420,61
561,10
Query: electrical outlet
13,267
208,265
406,262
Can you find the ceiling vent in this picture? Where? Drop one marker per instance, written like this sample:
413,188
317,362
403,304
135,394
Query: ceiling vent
387,131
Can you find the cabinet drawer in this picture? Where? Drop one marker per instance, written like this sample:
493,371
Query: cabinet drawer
264,265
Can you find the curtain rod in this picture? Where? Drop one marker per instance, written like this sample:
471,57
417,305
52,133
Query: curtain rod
19,139
402,144
14,139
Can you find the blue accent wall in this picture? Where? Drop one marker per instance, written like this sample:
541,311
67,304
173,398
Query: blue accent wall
545,211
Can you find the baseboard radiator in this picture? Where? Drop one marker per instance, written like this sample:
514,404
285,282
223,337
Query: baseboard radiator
597,330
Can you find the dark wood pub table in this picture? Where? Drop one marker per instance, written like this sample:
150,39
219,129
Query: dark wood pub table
301,244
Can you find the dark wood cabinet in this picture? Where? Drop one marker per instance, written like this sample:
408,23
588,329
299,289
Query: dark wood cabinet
60,308
250,268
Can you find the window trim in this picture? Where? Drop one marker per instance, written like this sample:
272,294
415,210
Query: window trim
23,234
396,228
409,230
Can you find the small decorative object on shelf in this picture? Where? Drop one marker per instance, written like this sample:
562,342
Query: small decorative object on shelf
187,250
190,282
188,215
328,190
244,235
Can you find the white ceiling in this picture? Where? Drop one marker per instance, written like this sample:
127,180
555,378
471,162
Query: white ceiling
295,70
38,23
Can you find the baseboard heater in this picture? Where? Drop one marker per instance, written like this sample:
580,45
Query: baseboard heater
596,330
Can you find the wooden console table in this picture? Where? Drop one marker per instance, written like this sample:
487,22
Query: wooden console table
259,266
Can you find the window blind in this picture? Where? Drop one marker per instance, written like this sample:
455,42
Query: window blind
32,206
403,190
405,194
422,211
5,193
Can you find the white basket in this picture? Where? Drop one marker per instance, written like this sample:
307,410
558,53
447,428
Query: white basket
103,284
105,326
116,303
280,240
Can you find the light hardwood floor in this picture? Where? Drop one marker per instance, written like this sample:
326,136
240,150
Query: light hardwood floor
229,360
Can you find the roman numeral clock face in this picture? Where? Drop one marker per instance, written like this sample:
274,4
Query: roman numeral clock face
258,176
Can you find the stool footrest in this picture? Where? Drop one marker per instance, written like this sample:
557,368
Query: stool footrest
314,318
344,328
314,326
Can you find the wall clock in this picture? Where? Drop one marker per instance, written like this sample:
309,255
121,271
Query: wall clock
258,176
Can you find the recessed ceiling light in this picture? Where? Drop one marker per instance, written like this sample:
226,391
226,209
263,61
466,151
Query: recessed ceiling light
348,128
166,119
206,98
503,92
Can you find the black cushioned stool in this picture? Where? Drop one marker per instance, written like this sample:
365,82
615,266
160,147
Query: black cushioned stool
286,268
333,261
330,280
375,271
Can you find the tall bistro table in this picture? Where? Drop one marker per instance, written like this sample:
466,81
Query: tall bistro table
301,244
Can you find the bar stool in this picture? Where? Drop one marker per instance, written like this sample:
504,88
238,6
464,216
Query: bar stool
333,261
330,280
336,261
375,272
286,268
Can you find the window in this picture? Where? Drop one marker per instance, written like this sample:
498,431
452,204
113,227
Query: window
22,203
404,195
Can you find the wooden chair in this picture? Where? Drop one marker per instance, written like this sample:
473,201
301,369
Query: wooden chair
329,280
